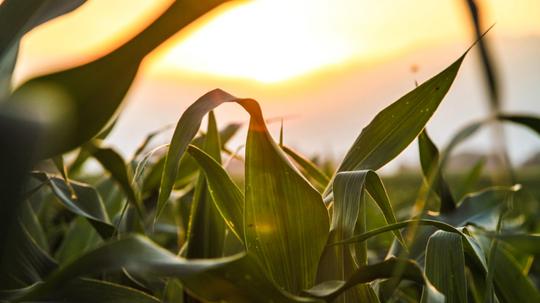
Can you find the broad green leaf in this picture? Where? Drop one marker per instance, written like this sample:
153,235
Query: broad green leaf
308,168
395,127
227,197
429,160
286,222
411,271
238,278
206,230
90,105
17,17
445,265
86,202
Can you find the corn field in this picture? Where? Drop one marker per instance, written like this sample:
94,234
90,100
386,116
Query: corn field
171,224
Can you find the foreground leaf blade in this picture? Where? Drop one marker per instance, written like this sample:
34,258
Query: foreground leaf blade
445,265
88,106
238,278
286,220
17,17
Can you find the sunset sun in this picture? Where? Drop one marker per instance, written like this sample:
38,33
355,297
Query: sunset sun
263,41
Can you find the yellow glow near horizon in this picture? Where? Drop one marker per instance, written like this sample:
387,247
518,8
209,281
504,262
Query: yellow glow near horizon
272,41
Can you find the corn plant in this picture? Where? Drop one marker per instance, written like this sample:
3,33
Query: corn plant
172,225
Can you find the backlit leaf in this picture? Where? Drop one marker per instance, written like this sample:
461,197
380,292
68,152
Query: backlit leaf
395,127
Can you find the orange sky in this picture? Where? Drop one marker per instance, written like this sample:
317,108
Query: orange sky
327,65
269,41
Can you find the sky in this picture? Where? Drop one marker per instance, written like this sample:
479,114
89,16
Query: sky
326,67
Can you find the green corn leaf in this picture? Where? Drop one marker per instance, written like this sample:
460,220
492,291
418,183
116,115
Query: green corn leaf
227,197
89,290
349,188
429,160
17,17
531,122
186,129
394,128
84,151
527,243
391,227
511,284
308,168
116,166
475,254
510,281
86,202
25,262
286,222
445,265
238,278
88,106
339,262
411,271
206,232
481,208
79,238
187,168
33,226
279,201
